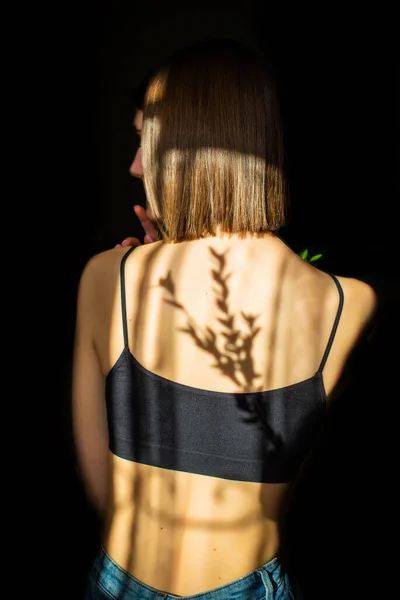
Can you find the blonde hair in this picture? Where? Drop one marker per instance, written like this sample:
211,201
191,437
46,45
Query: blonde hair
212,144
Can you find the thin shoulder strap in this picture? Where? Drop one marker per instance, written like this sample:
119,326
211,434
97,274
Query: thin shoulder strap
123,296
335,324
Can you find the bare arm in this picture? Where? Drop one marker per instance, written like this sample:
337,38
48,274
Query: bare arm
88,399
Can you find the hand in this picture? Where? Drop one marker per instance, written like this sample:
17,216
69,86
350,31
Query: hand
150,229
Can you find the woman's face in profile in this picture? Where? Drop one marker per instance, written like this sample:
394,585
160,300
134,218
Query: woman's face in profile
136,168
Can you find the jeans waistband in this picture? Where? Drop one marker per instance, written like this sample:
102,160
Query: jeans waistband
263,582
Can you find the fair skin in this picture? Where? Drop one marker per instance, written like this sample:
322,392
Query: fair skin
179,532
136,170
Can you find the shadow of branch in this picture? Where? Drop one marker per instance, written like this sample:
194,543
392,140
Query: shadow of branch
231,346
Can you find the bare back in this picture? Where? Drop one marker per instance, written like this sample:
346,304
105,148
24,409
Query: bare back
186,533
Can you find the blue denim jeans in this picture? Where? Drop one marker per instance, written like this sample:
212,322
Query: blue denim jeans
107,581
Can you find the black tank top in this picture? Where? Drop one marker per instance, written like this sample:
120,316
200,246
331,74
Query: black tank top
256,437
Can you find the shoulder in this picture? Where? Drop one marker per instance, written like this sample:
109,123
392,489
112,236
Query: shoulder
101,266
361,297
360,308
360,300
100,276
99,269
101,263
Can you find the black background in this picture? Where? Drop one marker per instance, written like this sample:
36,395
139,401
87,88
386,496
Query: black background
338,77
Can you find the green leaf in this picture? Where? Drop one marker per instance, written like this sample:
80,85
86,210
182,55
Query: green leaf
315,257
304,254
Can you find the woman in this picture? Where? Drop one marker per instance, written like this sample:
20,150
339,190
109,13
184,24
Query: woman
204,363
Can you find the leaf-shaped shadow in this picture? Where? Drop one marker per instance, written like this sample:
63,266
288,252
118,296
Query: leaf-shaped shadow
230,346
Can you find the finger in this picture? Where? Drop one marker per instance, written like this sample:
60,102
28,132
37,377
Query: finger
148,239
130,241
147,224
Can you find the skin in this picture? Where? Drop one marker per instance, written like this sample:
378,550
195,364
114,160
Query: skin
178,532
136,170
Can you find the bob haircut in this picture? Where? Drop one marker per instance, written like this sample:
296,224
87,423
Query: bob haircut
212,144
